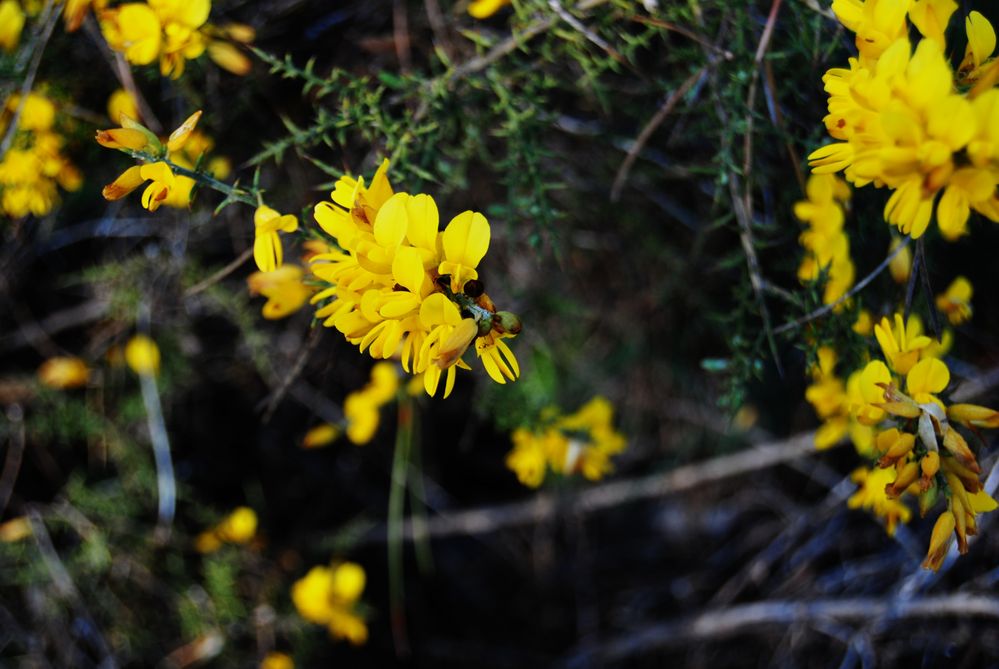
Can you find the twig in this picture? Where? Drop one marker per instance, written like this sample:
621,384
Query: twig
219,275
666,25
609,495
293,373
927,288
15,454
63,583
859,286
578,26
400,35
49,20
726,622
650,127
436,20
57,322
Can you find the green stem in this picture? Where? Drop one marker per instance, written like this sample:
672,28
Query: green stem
231,192
418,500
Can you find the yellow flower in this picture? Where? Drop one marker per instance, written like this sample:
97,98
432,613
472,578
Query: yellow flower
931,17
328,596
872,496
528,459
940,541
483,9
877,23
466,240
122,102
321,435
76,10
15,530
239,527
955,302
901,265
864,325
981,44
900,351
267,251
64,372
283,288
11,24
869,386
275,660
135,30
143,356
927,378
361,408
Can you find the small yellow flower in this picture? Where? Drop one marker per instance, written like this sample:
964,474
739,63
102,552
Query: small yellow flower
901,265
239,527
940,540
143,356
64,372
275,660
283,288
466,240
267,251
135,30
321,435
122,102
901,351
955,302
328,596
483,9
15,529
11,24
872,496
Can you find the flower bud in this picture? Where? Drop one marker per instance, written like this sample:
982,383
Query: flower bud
939,541
506,322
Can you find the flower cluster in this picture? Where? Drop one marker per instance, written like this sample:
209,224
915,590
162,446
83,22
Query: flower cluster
329,595
919,448
832,398
173,31
396,285
162,159
581,442
284,288
902,122
827,246
34,166
239,527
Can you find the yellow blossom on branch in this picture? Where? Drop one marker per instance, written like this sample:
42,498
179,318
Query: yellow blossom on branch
329,595
955,302
239,527
143,355
267,250
11,24
398,286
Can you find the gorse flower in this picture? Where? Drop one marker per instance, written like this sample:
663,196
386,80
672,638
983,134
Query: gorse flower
483,9
11,24
921,451
361,408
172,31
165,187
284,289
582,442
143,355
827,246
328,596
33,168
903,123
267,250
239,527
955,302
397,286
64,372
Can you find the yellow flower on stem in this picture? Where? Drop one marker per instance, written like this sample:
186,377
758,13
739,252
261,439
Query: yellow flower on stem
901,351
870,385
931,17
955,302
328,596
981,44
76,10
11,24
267,251
321,435
135,30
283,288
121,102
64,372
239,527
872,496
466,240
275,660
927,378
143,356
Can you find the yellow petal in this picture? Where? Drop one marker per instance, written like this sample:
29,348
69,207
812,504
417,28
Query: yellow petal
179,136
927,376
392,222
229,58
407,269
466,239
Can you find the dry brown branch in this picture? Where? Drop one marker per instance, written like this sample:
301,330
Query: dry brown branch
724,622
57,322
219,275
610,495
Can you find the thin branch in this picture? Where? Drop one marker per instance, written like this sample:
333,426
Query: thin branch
726,622
650,127
490,519
219,275
859,286
579,27
293,373
14,457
